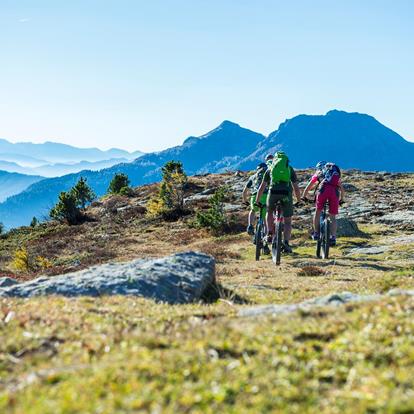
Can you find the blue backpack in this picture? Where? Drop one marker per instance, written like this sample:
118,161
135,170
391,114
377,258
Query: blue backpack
331,174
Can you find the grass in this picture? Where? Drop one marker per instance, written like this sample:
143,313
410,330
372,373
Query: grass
129,355
159,358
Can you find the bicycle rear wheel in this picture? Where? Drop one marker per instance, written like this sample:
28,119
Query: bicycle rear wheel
258,238
326,237
277,244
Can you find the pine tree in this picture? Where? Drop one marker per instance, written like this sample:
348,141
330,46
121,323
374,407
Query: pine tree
119,184
67,208
34,222
83,193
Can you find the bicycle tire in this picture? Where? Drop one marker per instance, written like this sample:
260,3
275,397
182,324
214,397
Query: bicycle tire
326,236
258,240
277,244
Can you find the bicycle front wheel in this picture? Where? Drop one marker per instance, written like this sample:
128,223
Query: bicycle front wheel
326,237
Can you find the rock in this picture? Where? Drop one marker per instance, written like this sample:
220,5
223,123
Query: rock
398,217
347,228
335,299
7,281
368,250
180,278
350,187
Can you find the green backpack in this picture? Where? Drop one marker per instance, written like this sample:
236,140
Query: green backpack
280,169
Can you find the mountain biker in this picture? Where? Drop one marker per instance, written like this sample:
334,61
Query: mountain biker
269,159
280,178
253,185
328,189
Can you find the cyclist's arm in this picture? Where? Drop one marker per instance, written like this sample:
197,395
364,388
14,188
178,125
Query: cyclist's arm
260,191
341,193
297,191
308,188
244,194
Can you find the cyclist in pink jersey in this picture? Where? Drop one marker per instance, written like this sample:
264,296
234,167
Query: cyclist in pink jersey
328,177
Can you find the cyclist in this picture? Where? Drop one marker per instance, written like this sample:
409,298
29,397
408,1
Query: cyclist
269,160
327,180
280,178
253,185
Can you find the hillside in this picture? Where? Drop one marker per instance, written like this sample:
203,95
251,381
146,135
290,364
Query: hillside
215,151
14,183
207,357
355,141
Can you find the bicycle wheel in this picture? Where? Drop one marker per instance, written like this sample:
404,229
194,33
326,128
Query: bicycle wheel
258,238
326,237
277,244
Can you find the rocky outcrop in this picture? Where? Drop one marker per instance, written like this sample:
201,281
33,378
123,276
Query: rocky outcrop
181,278
336,299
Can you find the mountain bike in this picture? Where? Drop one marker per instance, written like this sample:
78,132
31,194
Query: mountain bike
260,233
277,240
323,243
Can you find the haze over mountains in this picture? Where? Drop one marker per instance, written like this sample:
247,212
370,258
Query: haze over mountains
352,140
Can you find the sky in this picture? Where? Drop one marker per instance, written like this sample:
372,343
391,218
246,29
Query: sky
144,75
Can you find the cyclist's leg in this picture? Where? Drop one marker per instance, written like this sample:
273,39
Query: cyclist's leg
333,210
263,201
287,206
317,220
270,208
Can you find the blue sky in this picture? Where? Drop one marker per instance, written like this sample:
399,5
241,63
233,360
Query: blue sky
147,74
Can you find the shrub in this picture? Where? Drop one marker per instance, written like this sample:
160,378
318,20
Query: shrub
83,193
119,184
214,218
169,202
24,262
311,271
66,209
1,228
21,261
34,222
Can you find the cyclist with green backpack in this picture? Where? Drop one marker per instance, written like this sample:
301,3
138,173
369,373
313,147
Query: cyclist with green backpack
281,180
253,185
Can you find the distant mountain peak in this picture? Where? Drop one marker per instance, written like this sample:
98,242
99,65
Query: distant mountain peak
228,124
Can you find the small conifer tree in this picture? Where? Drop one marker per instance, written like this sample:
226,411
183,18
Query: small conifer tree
83,193
119,184
66,209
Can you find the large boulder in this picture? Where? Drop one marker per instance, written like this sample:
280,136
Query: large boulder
181,278
347,228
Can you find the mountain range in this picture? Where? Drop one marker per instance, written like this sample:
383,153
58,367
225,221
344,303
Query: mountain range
352,140
29,154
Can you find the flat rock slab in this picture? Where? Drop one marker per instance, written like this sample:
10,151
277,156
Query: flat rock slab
181,278
334,300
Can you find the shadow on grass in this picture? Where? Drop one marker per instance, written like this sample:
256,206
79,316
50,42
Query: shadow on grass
217,291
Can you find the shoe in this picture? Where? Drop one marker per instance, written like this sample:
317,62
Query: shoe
266,249
286,248
315,236
332,241
250,230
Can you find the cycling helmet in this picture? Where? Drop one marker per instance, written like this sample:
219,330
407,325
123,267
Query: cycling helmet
262,166
269,157
320,165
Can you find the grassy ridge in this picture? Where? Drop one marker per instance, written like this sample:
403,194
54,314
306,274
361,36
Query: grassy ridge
116,355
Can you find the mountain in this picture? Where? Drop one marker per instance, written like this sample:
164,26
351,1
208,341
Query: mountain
59,169
352,140
216,151
13,183
53,152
